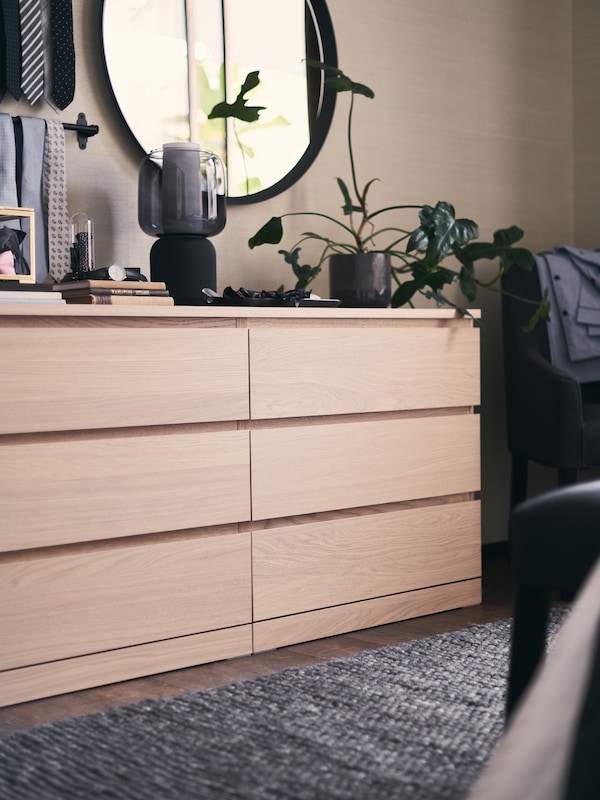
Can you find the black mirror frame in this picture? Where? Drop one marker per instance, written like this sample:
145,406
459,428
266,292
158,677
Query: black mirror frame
322,124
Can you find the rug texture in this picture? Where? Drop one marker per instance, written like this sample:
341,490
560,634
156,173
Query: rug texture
416,721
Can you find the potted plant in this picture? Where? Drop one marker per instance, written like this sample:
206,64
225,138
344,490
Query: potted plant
413,258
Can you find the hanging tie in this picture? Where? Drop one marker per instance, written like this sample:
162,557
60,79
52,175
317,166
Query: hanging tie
63,50
2,59
12,53
55,200
32,54
34,136
8,168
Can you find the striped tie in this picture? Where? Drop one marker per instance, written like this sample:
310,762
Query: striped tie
32,53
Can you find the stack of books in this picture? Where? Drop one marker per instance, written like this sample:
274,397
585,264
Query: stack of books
116,292
15,292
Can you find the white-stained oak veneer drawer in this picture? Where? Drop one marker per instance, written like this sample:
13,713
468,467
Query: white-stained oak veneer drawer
298,372
83,489
99,597
65,378
299,568
304,469
332,621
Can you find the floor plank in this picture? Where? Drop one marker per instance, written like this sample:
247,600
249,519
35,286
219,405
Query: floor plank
496,604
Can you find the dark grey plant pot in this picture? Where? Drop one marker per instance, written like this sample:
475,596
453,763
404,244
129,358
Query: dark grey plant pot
361,280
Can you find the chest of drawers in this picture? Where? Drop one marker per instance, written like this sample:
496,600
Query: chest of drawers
184,485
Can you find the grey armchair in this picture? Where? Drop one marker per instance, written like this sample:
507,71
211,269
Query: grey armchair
551,418
554,543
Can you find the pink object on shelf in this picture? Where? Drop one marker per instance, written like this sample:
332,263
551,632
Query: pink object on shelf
7,263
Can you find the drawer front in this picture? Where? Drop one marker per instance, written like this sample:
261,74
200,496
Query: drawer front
305,567
104,598
301,469
57,492
83,378
335,620
327,371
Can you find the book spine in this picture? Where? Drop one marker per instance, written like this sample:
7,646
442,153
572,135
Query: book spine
120,300
90,285
123,292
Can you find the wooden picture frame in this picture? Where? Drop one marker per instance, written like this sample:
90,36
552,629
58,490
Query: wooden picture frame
27,217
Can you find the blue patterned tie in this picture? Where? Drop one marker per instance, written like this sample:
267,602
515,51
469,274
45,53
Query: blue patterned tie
12,33
63,49
32,54
8,162
8,168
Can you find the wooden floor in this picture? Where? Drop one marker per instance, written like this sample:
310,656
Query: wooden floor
497,603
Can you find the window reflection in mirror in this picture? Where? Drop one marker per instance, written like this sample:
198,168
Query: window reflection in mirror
166,96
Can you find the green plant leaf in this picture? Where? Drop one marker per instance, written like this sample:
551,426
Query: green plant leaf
405,292
467,284
440,277
270,233
366,191
439,231
313,235
348,206
238,109
508,236
502,248
541,313
442,300
339,82
417,241
304,273
522,258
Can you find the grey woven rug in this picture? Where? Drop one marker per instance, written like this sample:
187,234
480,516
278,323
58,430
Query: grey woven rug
414,721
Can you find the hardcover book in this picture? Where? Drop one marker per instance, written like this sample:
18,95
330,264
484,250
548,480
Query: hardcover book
118,299
108,284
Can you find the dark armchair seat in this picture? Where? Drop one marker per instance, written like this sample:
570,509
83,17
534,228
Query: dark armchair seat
552,419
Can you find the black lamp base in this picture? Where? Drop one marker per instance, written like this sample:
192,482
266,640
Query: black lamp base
187,264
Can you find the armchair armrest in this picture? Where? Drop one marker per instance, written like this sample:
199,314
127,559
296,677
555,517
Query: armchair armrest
544,411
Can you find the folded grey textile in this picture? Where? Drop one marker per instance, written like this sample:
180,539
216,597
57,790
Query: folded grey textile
572,278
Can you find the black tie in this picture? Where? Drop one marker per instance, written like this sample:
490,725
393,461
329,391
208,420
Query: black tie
61,26
2,61
12,33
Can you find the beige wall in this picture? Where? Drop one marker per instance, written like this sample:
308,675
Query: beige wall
586,121
474,104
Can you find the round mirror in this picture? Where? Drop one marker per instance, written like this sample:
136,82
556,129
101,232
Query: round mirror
230,75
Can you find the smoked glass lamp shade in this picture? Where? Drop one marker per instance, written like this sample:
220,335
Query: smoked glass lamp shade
181,190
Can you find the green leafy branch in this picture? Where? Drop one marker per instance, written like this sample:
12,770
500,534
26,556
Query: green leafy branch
418,255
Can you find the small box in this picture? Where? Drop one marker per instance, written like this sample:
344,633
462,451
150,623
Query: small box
27,217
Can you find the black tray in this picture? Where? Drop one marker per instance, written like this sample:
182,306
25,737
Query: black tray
269,302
